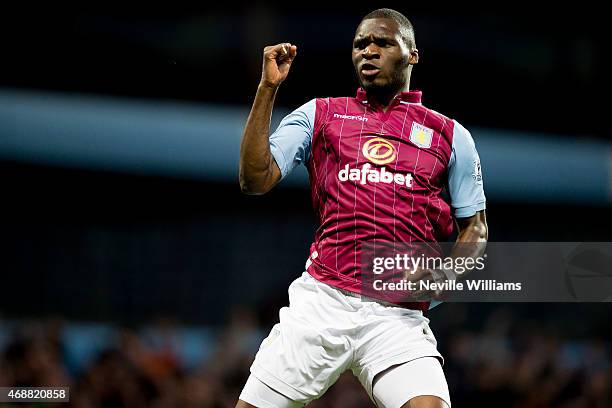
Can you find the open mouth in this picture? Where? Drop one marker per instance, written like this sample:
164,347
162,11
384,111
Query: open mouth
368,69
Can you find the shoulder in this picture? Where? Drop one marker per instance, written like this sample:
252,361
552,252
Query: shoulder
330,108
456,132
438,121
463,146
339,102
462,136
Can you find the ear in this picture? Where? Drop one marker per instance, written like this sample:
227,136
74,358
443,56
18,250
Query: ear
413,58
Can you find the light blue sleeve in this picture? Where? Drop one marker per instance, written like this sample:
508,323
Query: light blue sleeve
290,143
465,175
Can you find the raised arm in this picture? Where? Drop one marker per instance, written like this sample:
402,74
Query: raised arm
258,170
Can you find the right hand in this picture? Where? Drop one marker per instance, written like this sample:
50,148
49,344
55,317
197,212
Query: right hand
277,60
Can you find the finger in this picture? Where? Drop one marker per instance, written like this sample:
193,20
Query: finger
293,51
276,51
285,51
280,49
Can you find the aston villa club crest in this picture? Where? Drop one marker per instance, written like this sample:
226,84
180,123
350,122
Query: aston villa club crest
421,136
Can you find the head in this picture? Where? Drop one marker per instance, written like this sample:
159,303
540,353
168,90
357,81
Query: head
384,52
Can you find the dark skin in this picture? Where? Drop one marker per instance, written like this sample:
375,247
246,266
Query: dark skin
258,170
383,61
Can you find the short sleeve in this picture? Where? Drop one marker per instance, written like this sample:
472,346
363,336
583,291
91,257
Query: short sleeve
465,175
290,143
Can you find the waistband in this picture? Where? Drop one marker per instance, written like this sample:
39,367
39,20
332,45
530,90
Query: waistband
366,298
420,306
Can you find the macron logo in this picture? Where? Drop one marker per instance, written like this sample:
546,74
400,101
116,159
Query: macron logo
361,118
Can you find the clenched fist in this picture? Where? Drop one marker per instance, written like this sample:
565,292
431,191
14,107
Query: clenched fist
277,60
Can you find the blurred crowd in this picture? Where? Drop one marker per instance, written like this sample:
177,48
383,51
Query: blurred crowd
500,362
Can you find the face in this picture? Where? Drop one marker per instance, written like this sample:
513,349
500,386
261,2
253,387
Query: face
381,57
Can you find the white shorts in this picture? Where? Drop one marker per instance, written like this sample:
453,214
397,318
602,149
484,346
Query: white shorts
324,332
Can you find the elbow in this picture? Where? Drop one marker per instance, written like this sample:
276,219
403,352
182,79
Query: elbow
257,180
250,190
251,187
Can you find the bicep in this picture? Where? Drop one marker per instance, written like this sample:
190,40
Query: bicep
290,143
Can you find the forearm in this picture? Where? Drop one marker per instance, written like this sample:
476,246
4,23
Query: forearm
471,240
257,174
470,244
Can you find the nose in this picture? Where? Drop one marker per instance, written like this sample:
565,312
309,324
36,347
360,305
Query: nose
371,51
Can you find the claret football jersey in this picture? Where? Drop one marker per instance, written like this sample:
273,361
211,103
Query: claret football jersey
377,176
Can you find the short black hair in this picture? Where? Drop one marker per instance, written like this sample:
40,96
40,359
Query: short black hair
405,26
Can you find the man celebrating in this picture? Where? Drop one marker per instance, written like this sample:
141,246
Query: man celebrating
378,164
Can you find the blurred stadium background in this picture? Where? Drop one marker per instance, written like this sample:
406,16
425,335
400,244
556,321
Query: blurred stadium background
133,269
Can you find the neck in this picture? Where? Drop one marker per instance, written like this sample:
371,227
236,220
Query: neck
384,97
